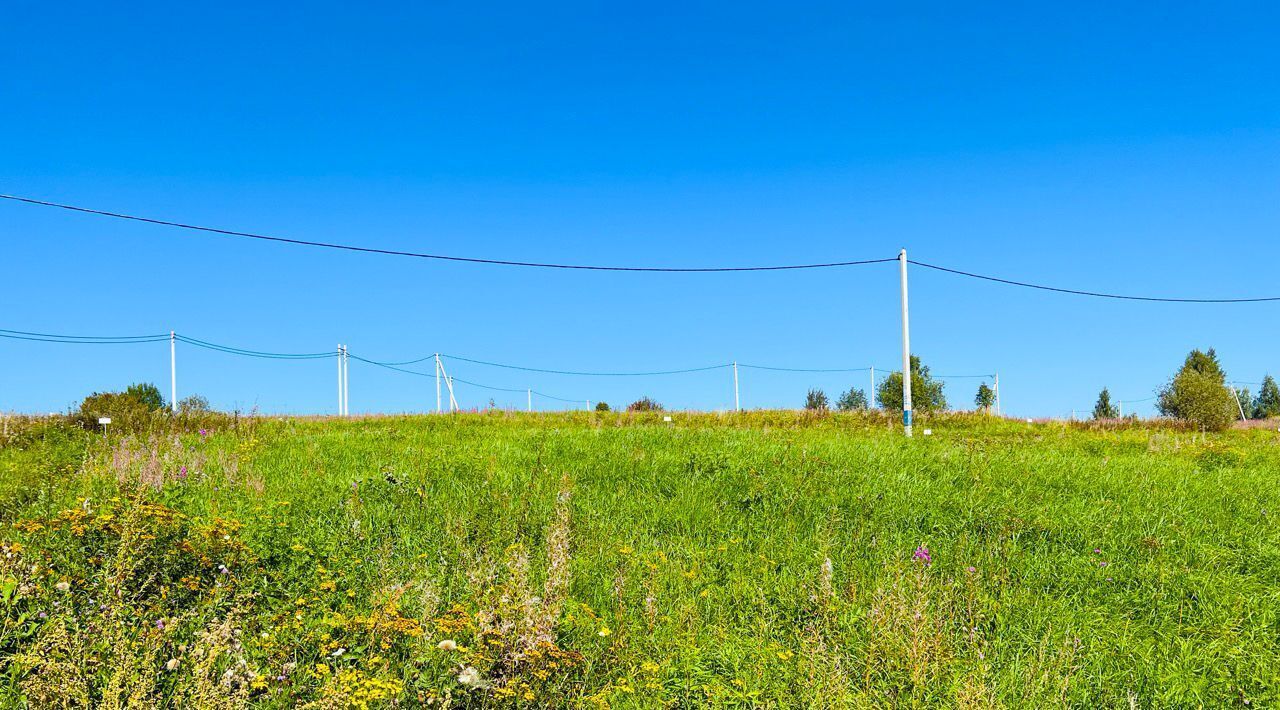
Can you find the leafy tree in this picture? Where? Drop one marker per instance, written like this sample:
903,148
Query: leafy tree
1268,402
1198,393
644,404
146,393
984,399
853,399
602,406
1104,409
926,393
816,400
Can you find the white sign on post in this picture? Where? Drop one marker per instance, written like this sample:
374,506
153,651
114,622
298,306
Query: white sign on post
104,420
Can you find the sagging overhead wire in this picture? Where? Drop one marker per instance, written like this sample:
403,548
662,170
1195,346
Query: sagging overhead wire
441,257
1095,294
253,353
585,373
83,339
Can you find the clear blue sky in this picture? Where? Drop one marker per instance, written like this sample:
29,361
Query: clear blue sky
1110,146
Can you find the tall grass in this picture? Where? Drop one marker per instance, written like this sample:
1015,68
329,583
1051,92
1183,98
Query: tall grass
598,559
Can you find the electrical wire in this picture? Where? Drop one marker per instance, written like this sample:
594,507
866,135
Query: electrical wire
1095,294
441,257
254,353
802,369
83,341
583,373
124,338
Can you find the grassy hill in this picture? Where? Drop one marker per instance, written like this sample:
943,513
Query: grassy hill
767,558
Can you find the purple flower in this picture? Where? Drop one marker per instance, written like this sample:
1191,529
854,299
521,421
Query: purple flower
922,554
971,569
204,432
182,472
1097,551
43,615
222,569
1102,564
280,678
160,624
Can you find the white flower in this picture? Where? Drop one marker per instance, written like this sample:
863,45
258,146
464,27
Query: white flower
62,586
447,645
338,652
172,665
469,676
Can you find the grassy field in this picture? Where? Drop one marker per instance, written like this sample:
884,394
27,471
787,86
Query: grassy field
606,560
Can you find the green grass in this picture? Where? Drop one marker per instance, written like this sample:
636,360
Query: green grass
593,560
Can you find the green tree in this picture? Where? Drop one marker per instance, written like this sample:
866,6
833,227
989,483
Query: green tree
926,393
1267,404
816,400
147,394
1104,409
853,399
1198,393
984,399
602,406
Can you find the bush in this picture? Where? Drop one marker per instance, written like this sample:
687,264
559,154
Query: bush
193,404
1198,393
128,413
644,404
1268,402
853,399
1104,409
984,399
148,394
815,400
602,406
926,393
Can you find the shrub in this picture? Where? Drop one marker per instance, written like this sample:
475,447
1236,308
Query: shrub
644,404
926,393
1198,393
128,413
148,394
852,400
1268,402
193,404
1104,409
984,399
602,406
815,400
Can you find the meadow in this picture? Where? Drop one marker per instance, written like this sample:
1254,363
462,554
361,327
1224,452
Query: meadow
763,559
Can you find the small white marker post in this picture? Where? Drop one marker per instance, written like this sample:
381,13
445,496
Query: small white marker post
737,403
173,372
529,393
906,348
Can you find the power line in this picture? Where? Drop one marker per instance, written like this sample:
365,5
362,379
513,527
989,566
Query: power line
442,257
803,369
84,340
253,353
584,373
1095,294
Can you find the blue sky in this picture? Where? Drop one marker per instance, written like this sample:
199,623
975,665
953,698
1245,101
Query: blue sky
1106,146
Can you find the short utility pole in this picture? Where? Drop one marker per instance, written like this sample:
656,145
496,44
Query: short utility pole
906,347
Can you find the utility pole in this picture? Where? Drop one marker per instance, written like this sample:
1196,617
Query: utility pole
438,407
1239,405
529,392
906,347
173,372
339,379
1121,403
871,393
346,383
737,403
997,378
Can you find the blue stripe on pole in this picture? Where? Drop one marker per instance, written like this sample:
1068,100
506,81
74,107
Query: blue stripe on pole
906,417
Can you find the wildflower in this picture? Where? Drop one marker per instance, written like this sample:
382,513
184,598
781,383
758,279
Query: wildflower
204,432
222,569
1102,564
43,615
160,624
604,631
62,586
447,645
338,653
171,665
922,554
182,472
1097,551
971,569
469,676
